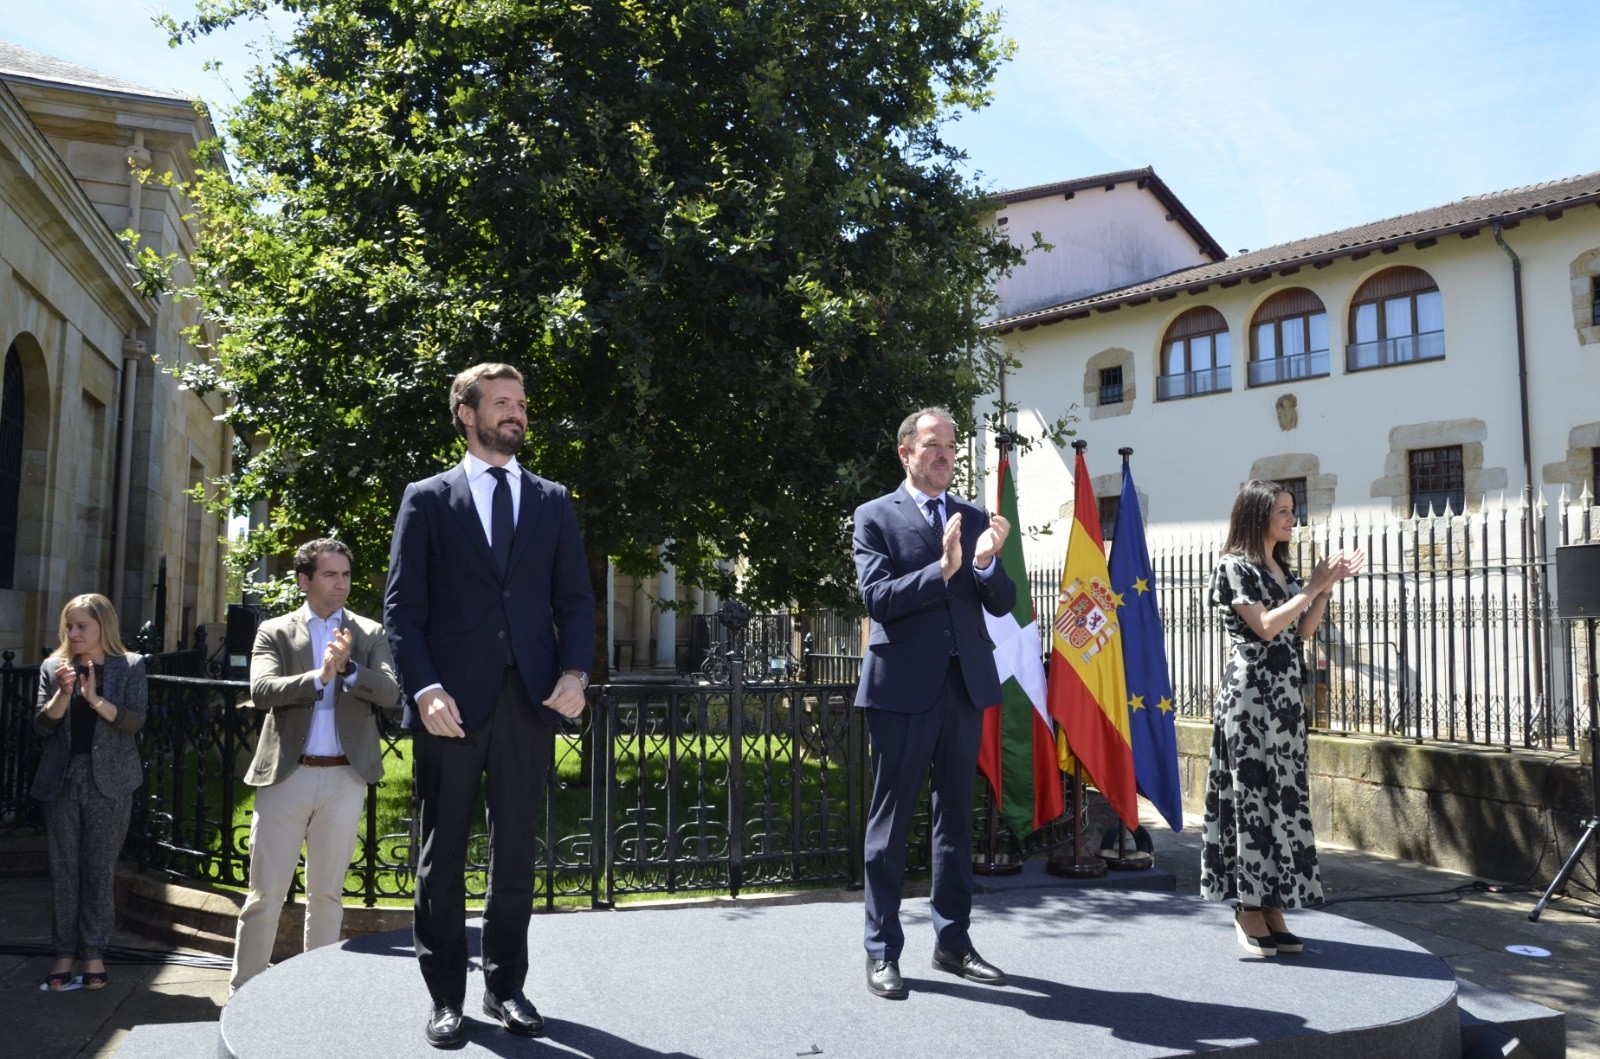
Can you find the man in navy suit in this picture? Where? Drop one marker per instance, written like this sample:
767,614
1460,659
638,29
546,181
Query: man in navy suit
928,565
491,617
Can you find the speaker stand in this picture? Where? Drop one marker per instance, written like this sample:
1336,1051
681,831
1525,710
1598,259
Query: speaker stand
1593,822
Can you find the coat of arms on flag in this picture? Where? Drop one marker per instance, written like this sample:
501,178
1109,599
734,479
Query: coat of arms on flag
1083,616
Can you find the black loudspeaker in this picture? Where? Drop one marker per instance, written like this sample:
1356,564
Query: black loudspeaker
1578,580
243,621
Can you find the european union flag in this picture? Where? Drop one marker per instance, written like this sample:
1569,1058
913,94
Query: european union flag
1144,653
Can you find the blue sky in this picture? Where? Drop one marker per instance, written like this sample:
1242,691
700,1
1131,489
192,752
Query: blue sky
1272,121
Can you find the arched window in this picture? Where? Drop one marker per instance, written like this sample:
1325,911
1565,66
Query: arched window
1195,356
1289,338
11,423
1395,318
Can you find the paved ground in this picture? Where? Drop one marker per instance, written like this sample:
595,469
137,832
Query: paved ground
1469,926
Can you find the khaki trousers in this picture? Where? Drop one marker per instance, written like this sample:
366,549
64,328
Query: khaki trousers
321,808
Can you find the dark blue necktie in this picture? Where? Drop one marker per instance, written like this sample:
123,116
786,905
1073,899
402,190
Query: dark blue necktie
501,526
936,514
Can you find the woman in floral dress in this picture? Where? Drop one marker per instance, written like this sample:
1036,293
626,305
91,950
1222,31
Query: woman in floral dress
1257,841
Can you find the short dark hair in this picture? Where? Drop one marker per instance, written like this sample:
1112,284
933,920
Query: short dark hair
907,434
468,386
1250,520
309,554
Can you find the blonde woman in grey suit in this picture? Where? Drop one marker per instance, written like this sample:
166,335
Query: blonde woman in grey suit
91,702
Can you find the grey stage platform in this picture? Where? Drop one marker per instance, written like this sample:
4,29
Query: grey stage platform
1094,973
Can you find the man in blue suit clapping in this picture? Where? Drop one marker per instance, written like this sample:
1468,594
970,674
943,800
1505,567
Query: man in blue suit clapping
928,564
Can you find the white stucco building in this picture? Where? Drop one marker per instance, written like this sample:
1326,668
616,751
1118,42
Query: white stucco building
1449,356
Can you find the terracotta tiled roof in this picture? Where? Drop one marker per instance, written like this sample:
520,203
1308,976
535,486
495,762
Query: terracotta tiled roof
18,63
1146,179
1420,228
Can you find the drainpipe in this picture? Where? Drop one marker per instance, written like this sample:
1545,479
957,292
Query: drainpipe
1522,362
1533,543
138,159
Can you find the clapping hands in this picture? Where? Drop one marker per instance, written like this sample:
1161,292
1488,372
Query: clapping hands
1331,569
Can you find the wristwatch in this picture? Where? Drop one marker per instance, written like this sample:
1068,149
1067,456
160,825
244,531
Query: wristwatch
583,678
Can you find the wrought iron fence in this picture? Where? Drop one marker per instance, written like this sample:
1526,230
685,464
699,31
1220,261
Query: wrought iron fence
659,789
1449,634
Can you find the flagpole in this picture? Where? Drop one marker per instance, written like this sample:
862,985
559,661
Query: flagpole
990,863
1123,858
1078,869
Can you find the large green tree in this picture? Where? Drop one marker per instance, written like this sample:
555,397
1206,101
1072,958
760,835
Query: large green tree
724,241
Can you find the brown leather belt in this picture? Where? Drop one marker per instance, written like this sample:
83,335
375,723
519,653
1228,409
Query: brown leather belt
317,761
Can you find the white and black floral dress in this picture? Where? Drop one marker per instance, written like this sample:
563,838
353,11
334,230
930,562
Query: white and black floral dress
1257,840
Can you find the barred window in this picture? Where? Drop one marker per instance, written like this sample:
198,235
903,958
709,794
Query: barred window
1594,308
1108,507
1111,385
1437,480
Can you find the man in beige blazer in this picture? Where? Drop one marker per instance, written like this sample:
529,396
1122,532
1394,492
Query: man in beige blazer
318,673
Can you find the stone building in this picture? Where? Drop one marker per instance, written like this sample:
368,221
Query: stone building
99,444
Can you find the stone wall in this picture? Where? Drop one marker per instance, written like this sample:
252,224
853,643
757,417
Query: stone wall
1510,816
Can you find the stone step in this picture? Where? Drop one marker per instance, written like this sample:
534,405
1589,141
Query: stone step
172,1040
196,916
1525,1030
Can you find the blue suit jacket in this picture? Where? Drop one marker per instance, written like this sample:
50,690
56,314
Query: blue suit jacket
916,614
450,614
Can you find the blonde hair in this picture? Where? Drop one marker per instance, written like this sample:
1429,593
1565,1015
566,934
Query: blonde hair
101,610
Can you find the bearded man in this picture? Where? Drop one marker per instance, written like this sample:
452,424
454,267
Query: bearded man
491,619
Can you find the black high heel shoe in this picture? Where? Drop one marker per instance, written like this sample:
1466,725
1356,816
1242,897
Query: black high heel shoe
1283,940
1255,945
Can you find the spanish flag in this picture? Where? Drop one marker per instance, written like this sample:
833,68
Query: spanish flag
1088,691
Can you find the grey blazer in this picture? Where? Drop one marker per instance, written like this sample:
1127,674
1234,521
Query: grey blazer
114,755
281,672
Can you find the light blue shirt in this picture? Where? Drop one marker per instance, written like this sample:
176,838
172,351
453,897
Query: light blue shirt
923,500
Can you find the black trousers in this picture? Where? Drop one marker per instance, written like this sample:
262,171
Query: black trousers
514,750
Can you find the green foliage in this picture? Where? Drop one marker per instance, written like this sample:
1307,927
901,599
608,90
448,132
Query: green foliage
725,243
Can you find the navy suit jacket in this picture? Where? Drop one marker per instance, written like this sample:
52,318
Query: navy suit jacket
450,614
916,614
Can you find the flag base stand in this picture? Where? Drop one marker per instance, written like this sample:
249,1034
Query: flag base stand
1079,868
1124,852
997,866
993,862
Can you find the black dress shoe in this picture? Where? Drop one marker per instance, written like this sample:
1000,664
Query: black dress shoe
444,1029
883,979
515,1014
968,965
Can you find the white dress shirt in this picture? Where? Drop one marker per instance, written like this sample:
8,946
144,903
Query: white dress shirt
481,482
323,738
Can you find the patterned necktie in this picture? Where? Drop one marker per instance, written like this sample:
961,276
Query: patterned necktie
936,515
500,523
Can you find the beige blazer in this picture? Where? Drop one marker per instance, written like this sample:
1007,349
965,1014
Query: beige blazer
281,683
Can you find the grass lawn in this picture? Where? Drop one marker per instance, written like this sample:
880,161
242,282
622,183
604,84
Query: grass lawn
668,811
